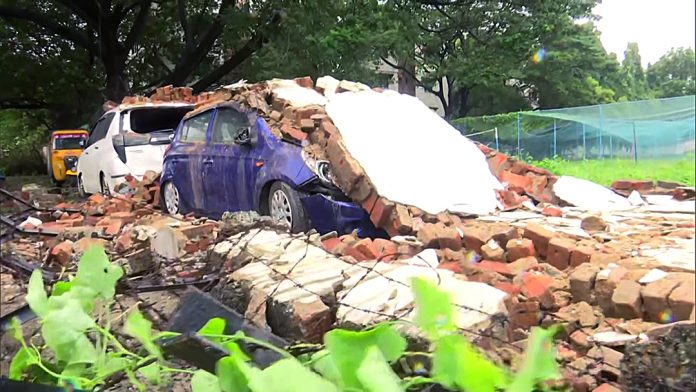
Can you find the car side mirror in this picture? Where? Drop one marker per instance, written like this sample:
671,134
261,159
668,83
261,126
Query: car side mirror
171,137
243,137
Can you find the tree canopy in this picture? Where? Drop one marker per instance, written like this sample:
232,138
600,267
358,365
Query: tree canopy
63,58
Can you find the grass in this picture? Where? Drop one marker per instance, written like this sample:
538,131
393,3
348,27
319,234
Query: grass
609,170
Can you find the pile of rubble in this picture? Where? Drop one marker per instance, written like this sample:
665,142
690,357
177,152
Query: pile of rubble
610,278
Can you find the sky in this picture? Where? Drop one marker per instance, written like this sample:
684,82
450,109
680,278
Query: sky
656,25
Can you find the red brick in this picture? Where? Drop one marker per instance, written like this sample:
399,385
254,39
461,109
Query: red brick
126,217
552,211
632,185
509,288
292,131
523,264
515,182
495,266
627,301
538,287
114,227
331,243
193,231
387,249
540,236
519,248
428,235
381,212
354,253
453,266
402,222
497,163
523,314
474,239
511,199
62,253
492,251
406,251
97,198
580,255
369,203
681,300
124,242
367,248
305,81
559,252
448,237
606,387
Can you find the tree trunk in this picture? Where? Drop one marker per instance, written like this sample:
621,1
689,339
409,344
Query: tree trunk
458,105
407,83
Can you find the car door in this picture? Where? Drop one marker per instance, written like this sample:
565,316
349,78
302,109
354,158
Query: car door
91,158
187,159
227,157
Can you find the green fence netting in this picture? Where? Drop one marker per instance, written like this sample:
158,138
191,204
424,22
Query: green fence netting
659,128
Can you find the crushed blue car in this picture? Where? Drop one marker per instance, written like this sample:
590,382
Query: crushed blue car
227,159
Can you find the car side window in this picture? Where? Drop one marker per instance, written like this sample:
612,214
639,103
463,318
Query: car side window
228,123
100,129
196,128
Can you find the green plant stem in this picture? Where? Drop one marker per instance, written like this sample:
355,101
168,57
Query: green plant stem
116,342
261,343
411,382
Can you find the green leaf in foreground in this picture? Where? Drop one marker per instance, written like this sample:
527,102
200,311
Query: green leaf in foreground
288,375
540,361
348,349
141,329
214,326
96,272
203,381
434,310
152,373
234,374
36,294
22,361
64,330
376,375
457,365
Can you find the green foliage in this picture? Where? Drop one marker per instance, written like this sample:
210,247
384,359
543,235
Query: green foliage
605,172
674,74
75,327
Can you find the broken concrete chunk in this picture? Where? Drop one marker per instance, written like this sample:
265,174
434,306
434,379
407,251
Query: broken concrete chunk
627,300
168,243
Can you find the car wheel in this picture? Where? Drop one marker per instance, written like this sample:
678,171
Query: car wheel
80,187
104,185
284,204
171,201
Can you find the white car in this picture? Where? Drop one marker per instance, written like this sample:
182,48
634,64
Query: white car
128,139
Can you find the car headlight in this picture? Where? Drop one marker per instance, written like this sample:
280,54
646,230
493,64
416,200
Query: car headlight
321,168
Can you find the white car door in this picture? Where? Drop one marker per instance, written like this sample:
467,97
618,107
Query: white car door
89,164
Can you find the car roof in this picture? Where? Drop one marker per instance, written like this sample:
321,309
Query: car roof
215,105
148,105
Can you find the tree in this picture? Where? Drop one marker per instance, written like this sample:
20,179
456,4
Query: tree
673,74
171,42
463,44
634,86
573,70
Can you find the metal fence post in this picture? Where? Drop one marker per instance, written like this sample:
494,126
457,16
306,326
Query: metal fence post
611,147
497,143
584,143
554,139
519,153
601,125
635,144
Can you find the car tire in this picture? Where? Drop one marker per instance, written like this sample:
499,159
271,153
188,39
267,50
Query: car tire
104,185
80,187
284,204
170,199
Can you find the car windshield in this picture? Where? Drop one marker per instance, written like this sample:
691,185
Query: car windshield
156,119
68,142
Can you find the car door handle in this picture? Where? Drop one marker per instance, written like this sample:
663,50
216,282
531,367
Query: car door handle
208,161
96,147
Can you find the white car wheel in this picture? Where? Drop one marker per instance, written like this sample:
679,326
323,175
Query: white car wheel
171,198
280,207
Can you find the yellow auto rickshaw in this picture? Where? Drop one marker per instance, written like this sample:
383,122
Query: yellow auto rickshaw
62,153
